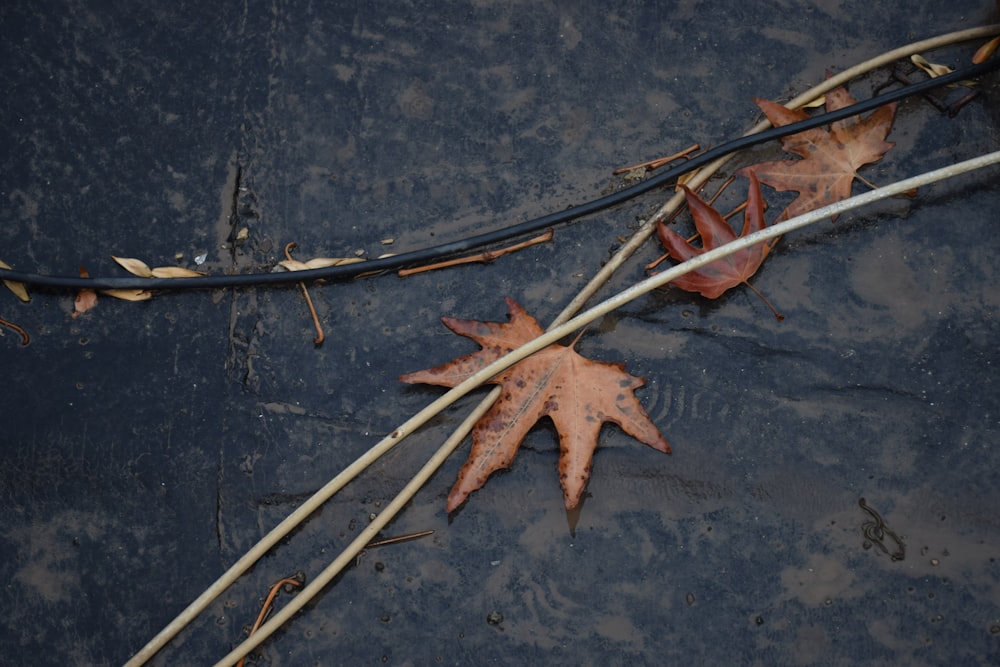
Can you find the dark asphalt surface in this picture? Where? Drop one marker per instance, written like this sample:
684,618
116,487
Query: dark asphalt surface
147,445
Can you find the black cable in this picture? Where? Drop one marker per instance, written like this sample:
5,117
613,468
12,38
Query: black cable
434,253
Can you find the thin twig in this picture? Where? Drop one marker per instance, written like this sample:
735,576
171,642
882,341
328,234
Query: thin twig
268,606
658,162
486,257
25,338
741,207
398,538
320,337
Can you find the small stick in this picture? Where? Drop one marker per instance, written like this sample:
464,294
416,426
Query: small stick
318,340
268,606
898,75
659,260
741,207
658,162
957,106
25,338
718,193
399,538
485,257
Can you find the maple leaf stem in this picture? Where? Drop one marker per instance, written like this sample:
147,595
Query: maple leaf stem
485,257
866,181
268,605
656,262
778,316
25,338
741,207
320,336
658,162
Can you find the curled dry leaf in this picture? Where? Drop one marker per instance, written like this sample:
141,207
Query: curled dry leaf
129,294
17,288
134,266
175,272
318,263
685,179
933,69
140,268
293,265
986,50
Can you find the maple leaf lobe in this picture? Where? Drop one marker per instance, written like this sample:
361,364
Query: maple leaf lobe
555,382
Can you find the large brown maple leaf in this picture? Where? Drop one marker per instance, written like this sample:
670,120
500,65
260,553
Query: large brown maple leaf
577,393
831,157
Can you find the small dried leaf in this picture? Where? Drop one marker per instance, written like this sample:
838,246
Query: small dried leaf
129,294
323,262
17,288
134,266
293,265
684,179
933,69
986,50
318,263
85,298
816,103
175,272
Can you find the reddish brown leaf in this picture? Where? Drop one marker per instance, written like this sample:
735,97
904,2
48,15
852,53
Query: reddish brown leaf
577,393
713,279
831,157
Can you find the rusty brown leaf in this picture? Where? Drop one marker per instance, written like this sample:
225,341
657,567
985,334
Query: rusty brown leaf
831,158
713,279
577,393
